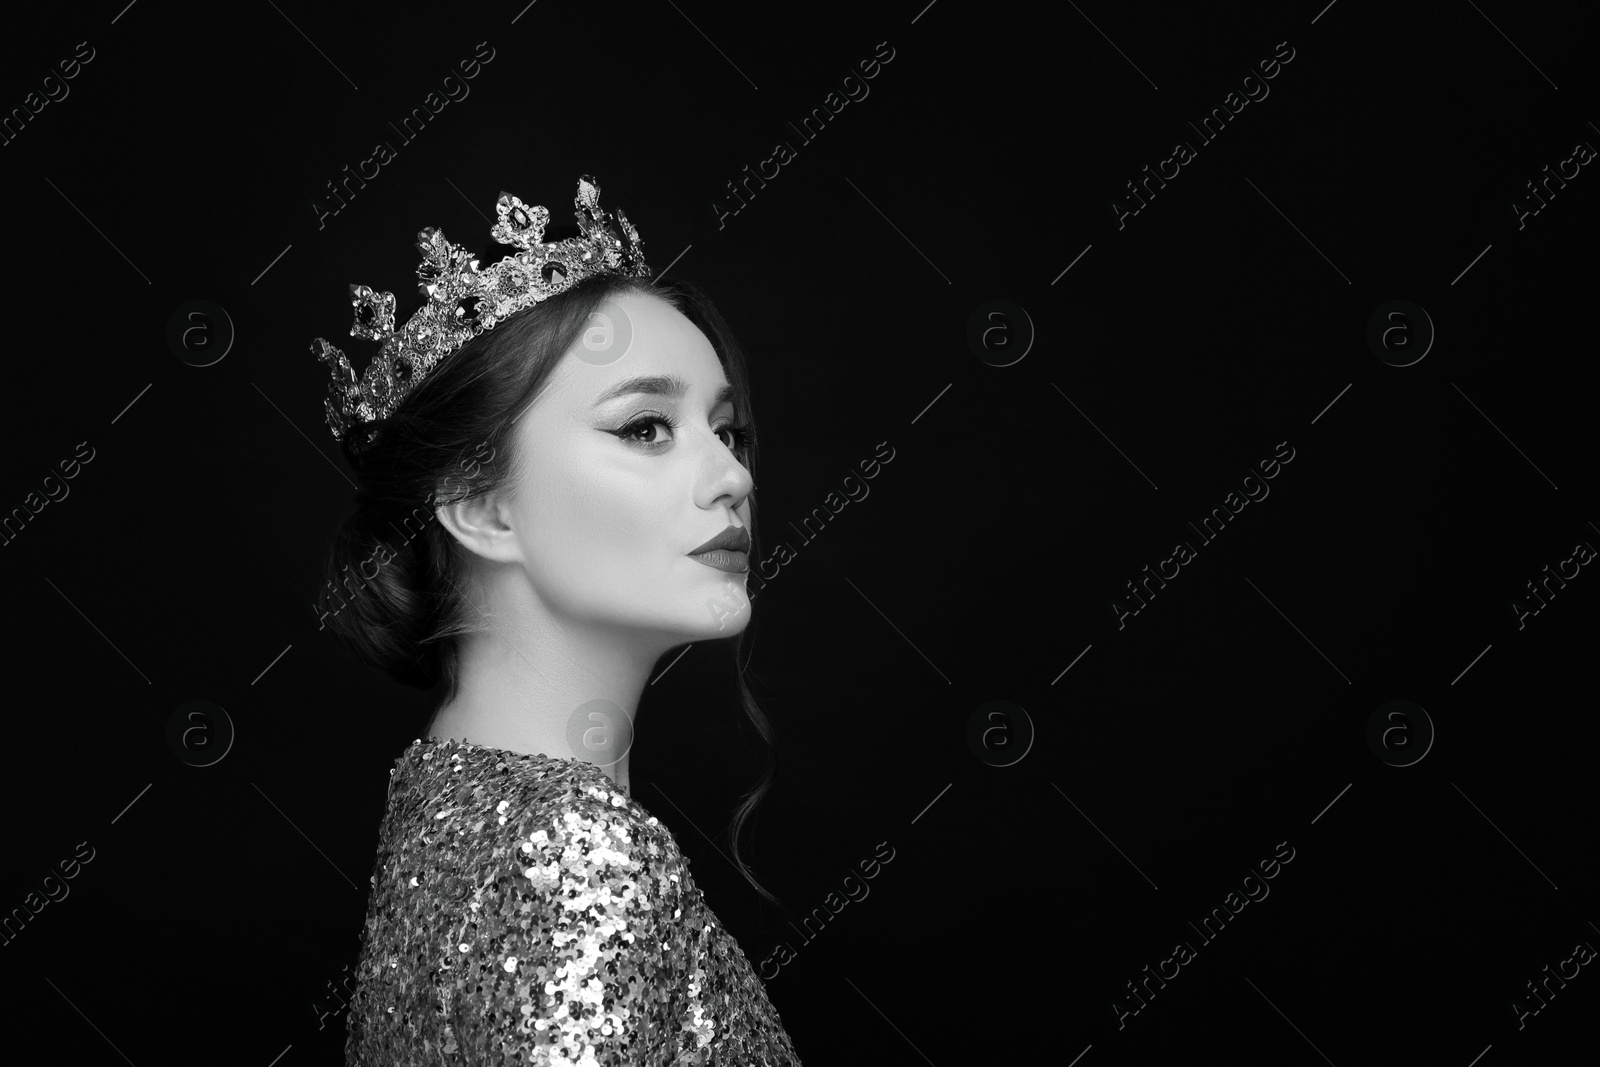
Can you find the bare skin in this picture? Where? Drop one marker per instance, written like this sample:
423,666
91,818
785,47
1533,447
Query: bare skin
579,571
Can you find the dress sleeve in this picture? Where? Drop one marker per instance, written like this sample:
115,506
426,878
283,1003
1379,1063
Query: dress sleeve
565,952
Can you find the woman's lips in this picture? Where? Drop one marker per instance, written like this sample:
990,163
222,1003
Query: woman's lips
723,559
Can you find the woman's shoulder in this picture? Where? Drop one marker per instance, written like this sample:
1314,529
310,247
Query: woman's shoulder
509,888
455,796
466,822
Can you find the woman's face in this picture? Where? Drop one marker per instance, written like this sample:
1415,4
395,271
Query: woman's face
605,523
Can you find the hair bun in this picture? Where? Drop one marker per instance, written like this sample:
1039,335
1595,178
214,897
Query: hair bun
374,597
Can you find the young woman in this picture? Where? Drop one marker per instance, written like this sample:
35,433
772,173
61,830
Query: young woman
555,461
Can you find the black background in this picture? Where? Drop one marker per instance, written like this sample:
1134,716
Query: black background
1224,318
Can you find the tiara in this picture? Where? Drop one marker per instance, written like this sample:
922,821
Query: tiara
463,301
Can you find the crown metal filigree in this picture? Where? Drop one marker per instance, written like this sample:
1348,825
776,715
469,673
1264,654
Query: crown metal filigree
463,301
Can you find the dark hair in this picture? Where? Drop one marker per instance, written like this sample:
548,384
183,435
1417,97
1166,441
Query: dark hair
392,592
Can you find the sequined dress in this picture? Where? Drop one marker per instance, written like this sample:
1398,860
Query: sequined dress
525,910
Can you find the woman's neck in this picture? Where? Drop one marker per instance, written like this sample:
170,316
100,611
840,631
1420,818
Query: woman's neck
563,694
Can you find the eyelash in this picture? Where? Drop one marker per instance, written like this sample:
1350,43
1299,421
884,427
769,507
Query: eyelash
742,433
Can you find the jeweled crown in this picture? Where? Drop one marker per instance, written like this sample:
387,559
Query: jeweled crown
463,301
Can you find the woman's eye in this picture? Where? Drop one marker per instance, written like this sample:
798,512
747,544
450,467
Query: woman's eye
644,426
737,439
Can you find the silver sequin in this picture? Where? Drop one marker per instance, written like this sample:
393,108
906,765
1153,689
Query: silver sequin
555,923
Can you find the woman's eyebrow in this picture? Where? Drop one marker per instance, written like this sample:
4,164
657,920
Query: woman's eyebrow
658,385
